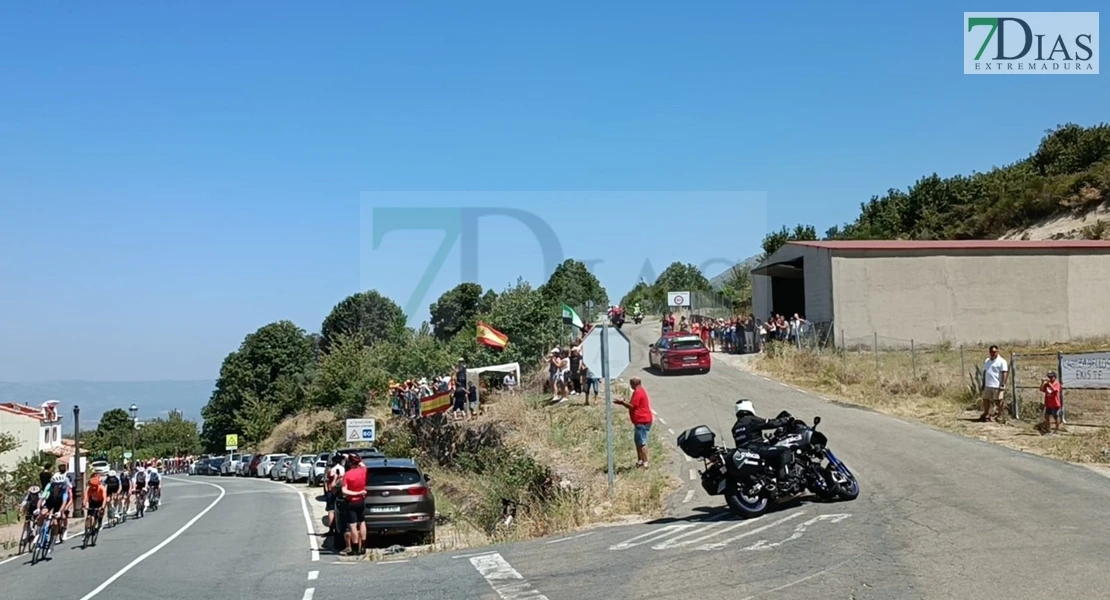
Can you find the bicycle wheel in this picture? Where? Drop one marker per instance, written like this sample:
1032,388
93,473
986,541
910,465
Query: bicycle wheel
86,537
27,538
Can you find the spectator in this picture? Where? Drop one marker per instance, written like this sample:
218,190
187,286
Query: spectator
354,490
44,477
995,371
509,382
472,398
459,408
333,479
593,382
639,412
1051,389
575,361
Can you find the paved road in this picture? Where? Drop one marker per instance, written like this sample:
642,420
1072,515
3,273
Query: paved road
939,516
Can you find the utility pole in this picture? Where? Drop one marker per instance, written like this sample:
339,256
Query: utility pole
78,472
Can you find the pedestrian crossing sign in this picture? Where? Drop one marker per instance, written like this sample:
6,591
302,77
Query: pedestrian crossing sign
232,442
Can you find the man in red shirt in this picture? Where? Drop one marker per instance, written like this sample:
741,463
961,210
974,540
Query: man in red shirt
354,490
639,411
1052,403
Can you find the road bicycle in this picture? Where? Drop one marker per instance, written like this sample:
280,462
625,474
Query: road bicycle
115,506
46,539
92,527
28,537
140,503
155,497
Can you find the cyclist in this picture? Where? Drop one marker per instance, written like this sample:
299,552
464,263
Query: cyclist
94,502
29,508
55,500
154,480
139,483
125,489
112,486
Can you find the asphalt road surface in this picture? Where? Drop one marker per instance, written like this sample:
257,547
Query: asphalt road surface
939,516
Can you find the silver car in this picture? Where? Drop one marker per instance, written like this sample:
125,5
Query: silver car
267,464
280,468
244,465
231,464
300,469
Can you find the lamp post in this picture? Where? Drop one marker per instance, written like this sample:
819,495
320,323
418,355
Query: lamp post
134,429
78,472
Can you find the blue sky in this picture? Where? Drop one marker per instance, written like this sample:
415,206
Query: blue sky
172,179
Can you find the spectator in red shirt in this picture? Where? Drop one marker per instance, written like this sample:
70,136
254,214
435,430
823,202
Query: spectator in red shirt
1052,403
639,411
354,490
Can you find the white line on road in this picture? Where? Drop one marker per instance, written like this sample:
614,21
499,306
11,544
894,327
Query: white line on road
689,496
504,579
782,384
312,575
176,534
472,554
308,593
802,580
693,475
662,420
670,431
313,543
573,537
722,544
654,413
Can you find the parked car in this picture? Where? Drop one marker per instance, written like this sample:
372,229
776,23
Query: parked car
679,352
319,470
214,466
399,499
300,468
277,473
244,464
363,453
252,468
267,464
101,467
230,465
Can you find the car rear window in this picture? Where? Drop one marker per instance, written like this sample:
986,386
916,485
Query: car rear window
687,343
276,456
394,477
306,459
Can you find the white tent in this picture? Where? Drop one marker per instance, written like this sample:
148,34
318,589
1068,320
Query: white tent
513,368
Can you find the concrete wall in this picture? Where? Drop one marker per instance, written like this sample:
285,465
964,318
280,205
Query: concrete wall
27,431
817,263
969,297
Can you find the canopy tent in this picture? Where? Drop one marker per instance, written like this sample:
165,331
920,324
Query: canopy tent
505,368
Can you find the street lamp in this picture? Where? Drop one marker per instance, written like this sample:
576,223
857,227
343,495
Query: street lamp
134,428
78,488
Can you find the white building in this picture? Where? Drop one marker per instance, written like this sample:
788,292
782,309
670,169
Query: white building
36,429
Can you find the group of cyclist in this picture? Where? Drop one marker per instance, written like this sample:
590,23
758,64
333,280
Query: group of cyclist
54,498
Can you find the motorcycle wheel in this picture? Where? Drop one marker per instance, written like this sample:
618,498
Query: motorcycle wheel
849,489
831,491
741,504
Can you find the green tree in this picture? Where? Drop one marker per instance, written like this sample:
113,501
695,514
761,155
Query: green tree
777,239
8,442
369,316
171,436
457,310
256,419
642,294
572,283
347,376
532,322
738,288
263,365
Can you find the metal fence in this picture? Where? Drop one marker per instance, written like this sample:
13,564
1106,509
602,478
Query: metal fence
1081,406
710,304
948,364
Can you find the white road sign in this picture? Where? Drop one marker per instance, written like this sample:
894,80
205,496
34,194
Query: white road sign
361,430
1085,370
678,299
620,352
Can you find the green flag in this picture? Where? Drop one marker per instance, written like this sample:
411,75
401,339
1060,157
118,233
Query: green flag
570,317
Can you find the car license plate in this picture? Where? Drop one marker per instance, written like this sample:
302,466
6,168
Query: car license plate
690,359
385,509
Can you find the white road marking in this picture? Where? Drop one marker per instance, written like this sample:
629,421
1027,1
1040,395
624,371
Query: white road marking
782,384
670,431
152,551
798,531
663,421
308,593
802,580
654,413
651,536
313,575
722,544
313,543
389,562
689,496
573,537
504,579
473,554
688,459
693,475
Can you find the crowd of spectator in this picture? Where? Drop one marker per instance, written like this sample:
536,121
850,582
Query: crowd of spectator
739,334
568,375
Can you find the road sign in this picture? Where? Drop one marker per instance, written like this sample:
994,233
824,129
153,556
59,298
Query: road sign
619,355
127,455
678,298
232,441
361,430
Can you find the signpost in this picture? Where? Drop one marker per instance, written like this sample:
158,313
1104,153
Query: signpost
362,430
609,355
679,299
232,442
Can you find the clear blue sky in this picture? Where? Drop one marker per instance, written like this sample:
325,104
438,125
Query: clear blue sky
172,178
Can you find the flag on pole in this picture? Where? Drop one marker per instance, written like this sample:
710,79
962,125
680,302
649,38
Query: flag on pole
433,405
571,318
488,336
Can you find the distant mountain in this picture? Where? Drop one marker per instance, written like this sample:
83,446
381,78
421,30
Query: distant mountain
719,281
154,398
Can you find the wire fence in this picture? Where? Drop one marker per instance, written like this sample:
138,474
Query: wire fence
898,357
1081,406
710,304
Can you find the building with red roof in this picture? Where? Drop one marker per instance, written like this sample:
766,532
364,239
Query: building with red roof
35,428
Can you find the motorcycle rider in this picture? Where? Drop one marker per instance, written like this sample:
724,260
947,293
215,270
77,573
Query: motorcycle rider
748,430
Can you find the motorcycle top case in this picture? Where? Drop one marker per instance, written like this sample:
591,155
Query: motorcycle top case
697,442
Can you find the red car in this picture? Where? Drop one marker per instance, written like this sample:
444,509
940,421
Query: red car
679,351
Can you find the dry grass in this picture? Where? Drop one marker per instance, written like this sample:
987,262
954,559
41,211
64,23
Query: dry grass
293,434
932,385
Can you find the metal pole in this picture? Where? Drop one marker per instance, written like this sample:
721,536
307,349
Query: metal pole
843,341
605,376
913,358
1059,377
1013,385
963,368
876,348
78,488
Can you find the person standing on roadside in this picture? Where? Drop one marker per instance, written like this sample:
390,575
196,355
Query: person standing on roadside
995,370
1051,389
354,491
332,480
639,412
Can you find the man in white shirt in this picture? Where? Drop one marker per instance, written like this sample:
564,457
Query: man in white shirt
995,371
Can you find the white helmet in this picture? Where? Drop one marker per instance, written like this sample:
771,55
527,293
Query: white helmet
745,406
112,473
59,478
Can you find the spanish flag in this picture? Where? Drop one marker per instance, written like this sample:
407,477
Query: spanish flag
488,336
433,405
